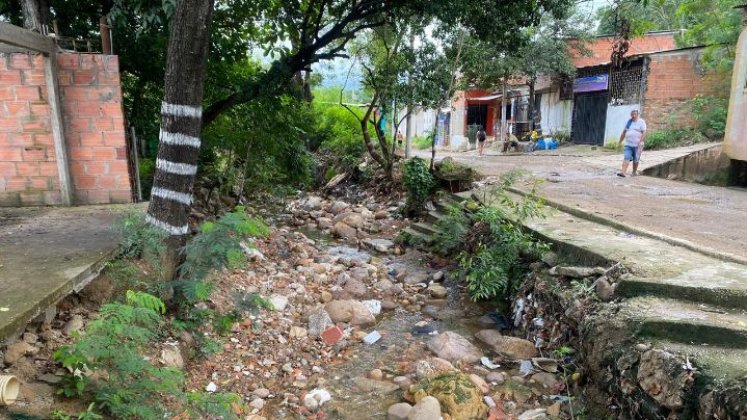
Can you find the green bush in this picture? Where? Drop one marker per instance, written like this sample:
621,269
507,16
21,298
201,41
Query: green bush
220,244
418,183
139,239
710,115
422,142
491,247
108,362
676,137
146,170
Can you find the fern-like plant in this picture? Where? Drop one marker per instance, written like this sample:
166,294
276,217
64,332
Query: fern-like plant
138,239
220,244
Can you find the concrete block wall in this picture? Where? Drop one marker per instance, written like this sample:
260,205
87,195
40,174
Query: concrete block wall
93,125
673,80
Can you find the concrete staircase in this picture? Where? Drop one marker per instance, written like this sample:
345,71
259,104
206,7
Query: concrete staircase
675,300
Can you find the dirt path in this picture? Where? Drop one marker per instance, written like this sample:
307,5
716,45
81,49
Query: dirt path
711,217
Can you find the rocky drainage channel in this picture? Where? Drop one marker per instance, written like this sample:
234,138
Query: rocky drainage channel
364,328
654,351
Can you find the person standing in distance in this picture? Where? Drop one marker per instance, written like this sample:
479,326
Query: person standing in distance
633,135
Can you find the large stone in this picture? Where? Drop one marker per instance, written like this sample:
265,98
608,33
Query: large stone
350,311
379,245
172,357
427,408
604,289
399,411
349,218
456,393
338,207
17,350
319,320
489,337
312,203
356,288
437,291
513,347
378,387
75,324
343,230
546,379
453,347
279,302
661,376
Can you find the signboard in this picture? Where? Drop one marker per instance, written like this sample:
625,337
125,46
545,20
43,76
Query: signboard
590,83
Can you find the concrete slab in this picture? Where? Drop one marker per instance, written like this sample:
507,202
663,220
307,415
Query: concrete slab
47,253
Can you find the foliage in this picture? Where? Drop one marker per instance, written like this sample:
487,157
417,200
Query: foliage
89,414
219,244
340,133
673,137
493,250
146,169
115,343
561,135
109,362
715,24
710,115
139,239
421,142
418,183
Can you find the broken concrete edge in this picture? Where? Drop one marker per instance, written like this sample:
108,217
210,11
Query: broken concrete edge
587,215
73,285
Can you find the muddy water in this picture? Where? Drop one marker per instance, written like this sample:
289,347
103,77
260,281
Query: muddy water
356,397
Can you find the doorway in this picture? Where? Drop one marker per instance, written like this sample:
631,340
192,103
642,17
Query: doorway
477,114
589,118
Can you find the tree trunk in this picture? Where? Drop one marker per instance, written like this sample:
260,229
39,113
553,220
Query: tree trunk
531,105
181,123
32,15
503,109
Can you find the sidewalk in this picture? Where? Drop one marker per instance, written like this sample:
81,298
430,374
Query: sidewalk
711,218
47,253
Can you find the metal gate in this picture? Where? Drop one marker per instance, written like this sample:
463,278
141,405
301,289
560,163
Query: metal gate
589,117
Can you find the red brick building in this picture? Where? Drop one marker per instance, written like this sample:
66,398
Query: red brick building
656,78
92,123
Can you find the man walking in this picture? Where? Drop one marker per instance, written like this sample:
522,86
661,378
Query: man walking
634,134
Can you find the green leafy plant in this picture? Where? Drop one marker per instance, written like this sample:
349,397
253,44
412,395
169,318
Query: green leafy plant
89,414
493,250
418,183
139,239
710,115
127,385
422,142
673,137
220,244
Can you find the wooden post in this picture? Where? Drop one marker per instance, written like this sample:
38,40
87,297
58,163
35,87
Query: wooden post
58,134
106,40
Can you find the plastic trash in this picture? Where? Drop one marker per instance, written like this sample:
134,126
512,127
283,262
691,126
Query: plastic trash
488,363
372,337
526,368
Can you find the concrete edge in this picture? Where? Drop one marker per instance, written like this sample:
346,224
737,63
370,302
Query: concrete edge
586,215
72,285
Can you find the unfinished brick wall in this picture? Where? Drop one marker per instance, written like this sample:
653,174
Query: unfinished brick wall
93,126
674,79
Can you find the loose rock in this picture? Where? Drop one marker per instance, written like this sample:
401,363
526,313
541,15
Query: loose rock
399,411
453,347
426,409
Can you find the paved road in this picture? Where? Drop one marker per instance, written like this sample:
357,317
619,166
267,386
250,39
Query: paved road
710,217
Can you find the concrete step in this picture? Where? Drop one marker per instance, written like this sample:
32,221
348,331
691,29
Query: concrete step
721,365
419,236
424,228
434,217
710,291
688,323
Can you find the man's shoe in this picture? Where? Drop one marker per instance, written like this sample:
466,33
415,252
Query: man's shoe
621,175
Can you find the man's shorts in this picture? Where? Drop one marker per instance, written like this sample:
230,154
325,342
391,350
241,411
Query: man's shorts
631,153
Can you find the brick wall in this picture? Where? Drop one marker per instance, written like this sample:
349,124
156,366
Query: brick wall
93,126
674,79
